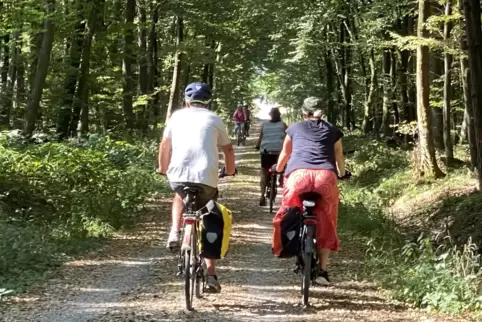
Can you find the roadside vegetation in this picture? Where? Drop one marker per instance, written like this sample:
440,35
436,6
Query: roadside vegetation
421,235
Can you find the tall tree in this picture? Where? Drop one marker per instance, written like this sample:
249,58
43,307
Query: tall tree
43,60
473,28
428,163
176,74
449,152
128,64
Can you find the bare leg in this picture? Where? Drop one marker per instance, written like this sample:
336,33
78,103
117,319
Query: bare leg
211,266
323,254
177,209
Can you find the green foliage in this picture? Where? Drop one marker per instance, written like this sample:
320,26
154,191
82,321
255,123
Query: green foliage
57,198
440,275
445,278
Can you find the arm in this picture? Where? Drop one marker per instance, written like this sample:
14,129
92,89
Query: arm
164,154
340,159
285,154
229,159
260,138
225,143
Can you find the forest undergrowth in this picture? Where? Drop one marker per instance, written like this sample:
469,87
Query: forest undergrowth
62,199
421,235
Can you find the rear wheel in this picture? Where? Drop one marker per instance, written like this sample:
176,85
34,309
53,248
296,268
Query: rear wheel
198,272
305,286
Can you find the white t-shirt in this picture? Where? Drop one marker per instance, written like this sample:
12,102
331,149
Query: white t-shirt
196,134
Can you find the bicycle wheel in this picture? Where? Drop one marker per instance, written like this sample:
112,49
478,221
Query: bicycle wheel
272,193
198,271
305,287
238,137
187,280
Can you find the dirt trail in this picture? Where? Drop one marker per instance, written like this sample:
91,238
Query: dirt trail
133,278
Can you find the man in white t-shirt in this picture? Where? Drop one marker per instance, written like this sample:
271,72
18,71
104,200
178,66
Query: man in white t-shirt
188,155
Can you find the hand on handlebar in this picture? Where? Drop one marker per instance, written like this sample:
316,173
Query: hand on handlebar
222,172
273,169
346,176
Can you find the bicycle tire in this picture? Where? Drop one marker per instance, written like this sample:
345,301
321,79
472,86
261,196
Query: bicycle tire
272,193
198,268
238,137
305,285
187,280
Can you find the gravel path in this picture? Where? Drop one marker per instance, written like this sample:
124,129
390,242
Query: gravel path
133,277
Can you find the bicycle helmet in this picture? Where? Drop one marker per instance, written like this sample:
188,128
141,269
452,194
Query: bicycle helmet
198,93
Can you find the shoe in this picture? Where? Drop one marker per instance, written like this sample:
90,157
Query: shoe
262,201
323,278
174,240
213,284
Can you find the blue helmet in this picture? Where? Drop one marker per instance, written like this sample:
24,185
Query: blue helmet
198,93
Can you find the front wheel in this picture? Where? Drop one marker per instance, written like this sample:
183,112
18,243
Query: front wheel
305,285
272,193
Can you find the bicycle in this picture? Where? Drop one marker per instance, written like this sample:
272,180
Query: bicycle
240,135
307,260
190,264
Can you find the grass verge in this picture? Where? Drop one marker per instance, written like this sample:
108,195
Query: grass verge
421,235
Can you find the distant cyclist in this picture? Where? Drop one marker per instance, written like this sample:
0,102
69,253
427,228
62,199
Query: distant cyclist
270,144
188,154
239,118
247,114
313,156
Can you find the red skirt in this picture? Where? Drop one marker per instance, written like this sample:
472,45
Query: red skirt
324,183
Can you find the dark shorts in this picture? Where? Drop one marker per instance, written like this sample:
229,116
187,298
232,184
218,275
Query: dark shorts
268,160
204,194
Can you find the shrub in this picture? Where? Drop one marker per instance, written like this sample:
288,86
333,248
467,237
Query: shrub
57,197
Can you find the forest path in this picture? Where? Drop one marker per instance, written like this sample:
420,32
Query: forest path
133,277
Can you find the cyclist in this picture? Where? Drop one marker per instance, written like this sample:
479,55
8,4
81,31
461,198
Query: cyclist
247,114
313,155
270,144
188,155
239,118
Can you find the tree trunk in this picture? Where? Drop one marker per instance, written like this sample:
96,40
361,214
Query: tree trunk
412,90
468,113
143,66
369,104
174,95
152,61
437,74
330,87
474,41
387,90
70,82
83,90
393,79
4,97
43,60
449,152
428,163
128,65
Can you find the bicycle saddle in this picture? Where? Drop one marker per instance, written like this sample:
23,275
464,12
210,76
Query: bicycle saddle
190,190
309,199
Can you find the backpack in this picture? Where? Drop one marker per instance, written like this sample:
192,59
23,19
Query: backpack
215,231
286,232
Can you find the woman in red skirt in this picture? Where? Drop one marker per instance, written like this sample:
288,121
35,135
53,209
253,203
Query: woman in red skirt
313,156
